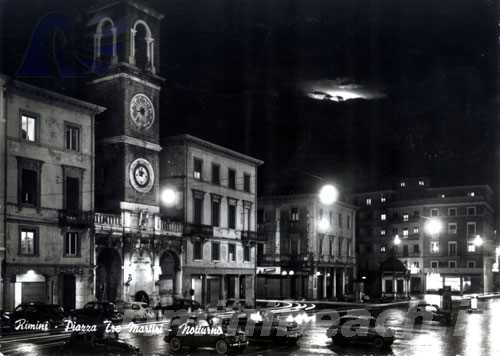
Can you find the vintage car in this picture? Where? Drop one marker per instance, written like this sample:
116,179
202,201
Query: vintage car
135,311
357,329
98,343
97,313
33,316
429,312
210,333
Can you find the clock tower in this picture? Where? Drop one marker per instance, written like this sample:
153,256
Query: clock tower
125,46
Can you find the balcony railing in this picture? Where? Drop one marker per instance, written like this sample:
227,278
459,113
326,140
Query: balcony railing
199,230
77,219
114,223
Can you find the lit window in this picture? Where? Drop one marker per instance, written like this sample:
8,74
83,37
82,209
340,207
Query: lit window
231,252
382,249
28,128
294,214
405,231
197,167
472,194
383,217
406,217
434,246
28,243
368,201
452,228
471,247
382,232
434,264
421,183
434,212
383,199
415,229
402,184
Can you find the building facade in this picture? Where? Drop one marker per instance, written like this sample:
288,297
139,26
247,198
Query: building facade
215,193
305,249
47,200
137,251
450,257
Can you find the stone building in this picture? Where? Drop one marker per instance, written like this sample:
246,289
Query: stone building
215,192
47,179
305,249
137,251
451,257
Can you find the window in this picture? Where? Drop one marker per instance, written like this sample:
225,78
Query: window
260,216
452,248
231,178
421,183
434,264
215,211
394,230
452,228
72,194
452,264
471,264
348,221
383,217
382,232
416,249
28,128
330,217
197,250
415,229
215,251
28,242
471,210
246,183
443,196
197,168
434,247
198,207
383,199
72,244
231,252
471,228
368,201
29,186
294,214
406,217
471,246
260,253
231,211
434,212
340,220
405,251
382,249
452,211
246,253
72,135
471,194
215,174
402,184
405,231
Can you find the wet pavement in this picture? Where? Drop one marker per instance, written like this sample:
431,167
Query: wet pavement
474,334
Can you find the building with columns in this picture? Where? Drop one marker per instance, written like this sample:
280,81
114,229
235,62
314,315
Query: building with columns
47,183
305,249
212,190
451,257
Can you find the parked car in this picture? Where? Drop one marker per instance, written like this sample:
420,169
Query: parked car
135,311
430,312
208,332
180,304
357,329
98,343
40,316
97,313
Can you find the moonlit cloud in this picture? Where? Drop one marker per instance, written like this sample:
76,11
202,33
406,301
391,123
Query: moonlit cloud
339,90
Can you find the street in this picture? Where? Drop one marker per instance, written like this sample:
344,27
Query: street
473,334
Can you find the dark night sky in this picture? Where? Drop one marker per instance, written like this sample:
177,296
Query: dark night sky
235,69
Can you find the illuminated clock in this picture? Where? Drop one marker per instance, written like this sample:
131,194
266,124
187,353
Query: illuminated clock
142,175
142,111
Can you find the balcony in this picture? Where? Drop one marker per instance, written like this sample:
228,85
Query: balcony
170,227
199,230
114,224
107,223
76,219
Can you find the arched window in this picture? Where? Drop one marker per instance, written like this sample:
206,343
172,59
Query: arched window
105,44
142,46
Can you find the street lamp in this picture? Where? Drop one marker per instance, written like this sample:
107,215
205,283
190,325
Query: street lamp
323,224
169,197
478,241
397,240
433,226
328,194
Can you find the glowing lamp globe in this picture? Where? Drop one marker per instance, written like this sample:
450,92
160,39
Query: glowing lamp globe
433,226
169,197
328,194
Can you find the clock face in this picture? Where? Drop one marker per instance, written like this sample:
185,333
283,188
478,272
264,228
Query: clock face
142,111
141,175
